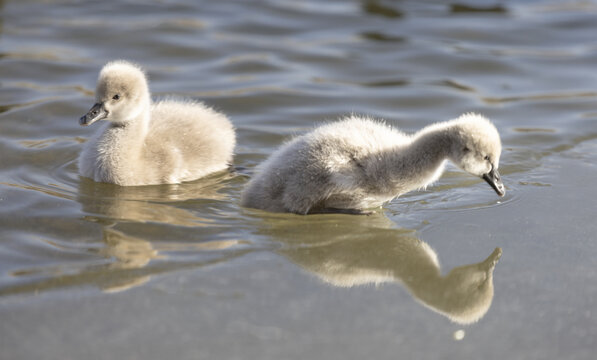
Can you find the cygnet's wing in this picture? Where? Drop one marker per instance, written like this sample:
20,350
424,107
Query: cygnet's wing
190,138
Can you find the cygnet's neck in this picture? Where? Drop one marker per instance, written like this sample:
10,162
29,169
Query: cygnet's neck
421,162
126,138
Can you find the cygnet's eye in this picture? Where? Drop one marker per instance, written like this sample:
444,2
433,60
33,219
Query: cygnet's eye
466,149
486,157
116,97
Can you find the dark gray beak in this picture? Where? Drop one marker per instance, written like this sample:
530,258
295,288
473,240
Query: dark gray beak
97,112
493,178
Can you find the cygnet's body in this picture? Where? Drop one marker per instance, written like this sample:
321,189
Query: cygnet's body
145,143
358,163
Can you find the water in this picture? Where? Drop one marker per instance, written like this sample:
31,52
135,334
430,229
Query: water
97,271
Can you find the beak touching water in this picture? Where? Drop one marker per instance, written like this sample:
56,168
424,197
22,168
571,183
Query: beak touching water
97,112
493,178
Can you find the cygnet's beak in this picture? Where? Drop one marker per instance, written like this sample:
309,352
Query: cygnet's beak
97,112
489,263
493,178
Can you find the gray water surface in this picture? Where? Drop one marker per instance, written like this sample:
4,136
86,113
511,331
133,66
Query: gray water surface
98,271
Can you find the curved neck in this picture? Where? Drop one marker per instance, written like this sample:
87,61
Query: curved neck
422,161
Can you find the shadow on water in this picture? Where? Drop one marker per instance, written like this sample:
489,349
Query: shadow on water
378,8
458,8
348,251
1,17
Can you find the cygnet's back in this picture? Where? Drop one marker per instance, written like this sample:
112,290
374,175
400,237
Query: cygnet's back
143,143
324,164
190,139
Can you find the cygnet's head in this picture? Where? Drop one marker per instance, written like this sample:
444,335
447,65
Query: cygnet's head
121,94
478,149
467,291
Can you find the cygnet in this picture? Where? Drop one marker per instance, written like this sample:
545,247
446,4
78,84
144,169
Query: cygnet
359,163
144,143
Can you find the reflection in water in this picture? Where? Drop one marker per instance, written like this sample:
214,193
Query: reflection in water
141,204
129,264
128,252
205,188
121,259
131,252
149,203
349,251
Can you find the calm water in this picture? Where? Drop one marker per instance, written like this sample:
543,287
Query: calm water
96,271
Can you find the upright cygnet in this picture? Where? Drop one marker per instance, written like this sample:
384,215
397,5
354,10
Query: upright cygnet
144,143
358,163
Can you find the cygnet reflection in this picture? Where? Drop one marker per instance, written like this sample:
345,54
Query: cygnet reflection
129,261
133,253
349,251
150,203
128,252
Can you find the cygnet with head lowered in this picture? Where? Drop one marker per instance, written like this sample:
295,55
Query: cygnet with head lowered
359,163
145,143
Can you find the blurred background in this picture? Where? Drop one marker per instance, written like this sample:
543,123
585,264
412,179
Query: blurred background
98,271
